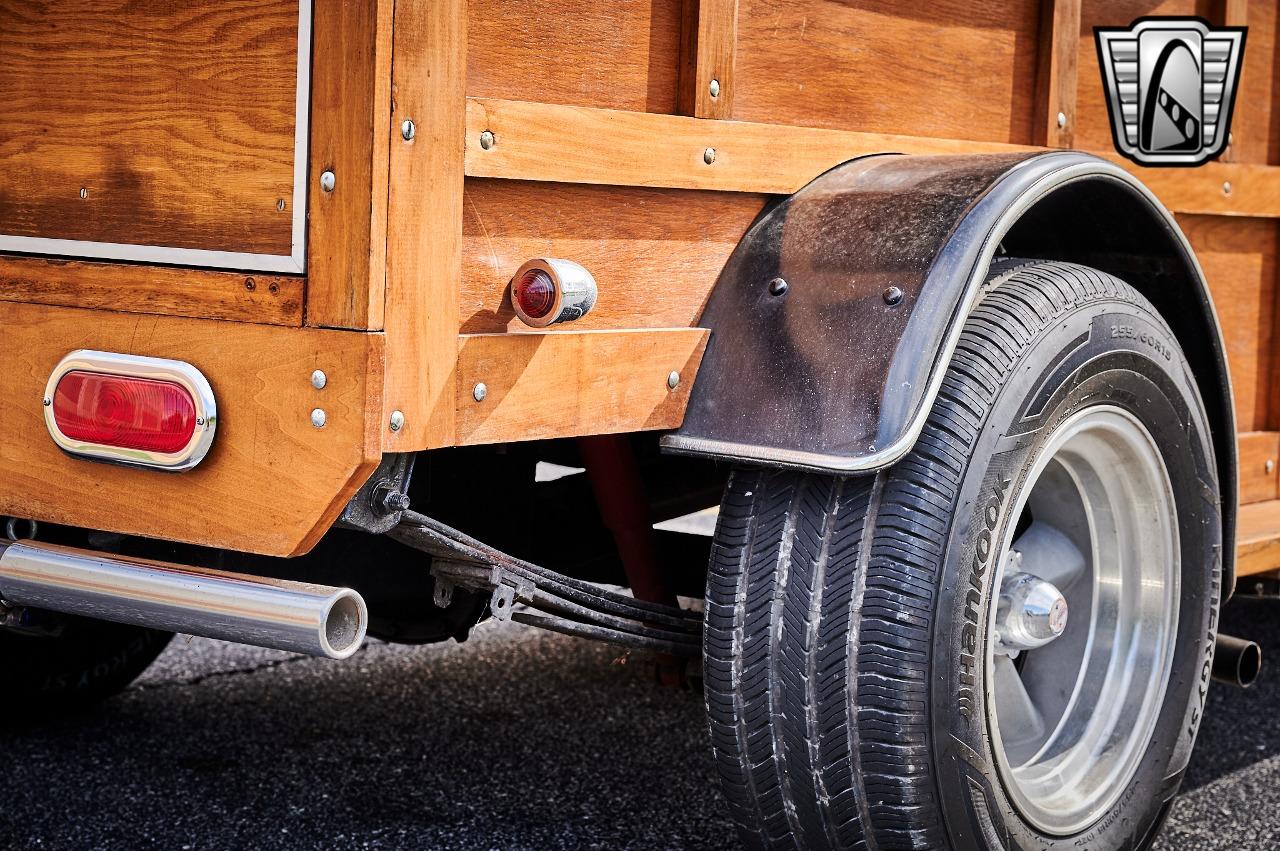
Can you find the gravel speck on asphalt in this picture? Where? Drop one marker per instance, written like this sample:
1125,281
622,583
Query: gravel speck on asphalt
516,739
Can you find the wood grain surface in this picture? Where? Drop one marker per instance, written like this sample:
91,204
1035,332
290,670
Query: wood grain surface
1239,260
264,298
655,253
621,55
272,483
1058,61
562,385
708,49
350,117
1258,538
424,213
948,68
149,122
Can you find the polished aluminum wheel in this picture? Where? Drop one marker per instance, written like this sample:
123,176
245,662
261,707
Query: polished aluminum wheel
1083,628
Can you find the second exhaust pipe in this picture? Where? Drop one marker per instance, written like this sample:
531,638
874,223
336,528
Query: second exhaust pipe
319,620
1236,661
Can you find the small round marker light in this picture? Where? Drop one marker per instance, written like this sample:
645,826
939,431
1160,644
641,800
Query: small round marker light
546,291
534,294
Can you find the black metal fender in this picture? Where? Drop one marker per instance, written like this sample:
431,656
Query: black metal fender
883,259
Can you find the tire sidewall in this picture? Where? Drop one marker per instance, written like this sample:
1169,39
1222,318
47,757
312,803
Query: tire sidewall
1108,352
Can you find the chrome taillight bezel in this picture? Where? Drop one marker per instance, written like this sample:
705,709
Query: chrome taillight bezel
137,366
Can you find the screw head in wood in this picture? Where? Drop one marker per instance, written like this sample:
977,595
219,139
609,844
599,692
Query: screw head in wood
1270,466
319,418
479,392
673,380
1062,120
714,88
487,139
397,421
893,296
408,130
328,180
84,192
319,379
709,156
1226,187
778,286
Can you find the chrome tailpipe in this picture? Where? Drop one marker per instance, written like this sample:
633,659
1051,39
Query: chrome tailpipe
316,619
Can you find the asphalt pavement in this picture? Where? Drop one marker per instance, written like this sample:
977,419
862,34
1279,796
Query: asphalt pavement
515,740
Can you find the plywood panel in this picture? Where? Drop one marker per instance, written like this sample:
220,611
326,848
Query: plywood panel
564,385
951,68
1093,127
272,483
621,55
655,253
1239,259
150,122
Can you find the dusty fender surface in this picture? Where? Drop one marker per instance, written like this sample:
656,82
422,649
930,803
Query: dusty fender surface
883,258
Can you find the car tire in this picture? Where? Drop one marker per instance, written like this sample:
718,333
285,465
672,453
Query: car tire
69,663
861,632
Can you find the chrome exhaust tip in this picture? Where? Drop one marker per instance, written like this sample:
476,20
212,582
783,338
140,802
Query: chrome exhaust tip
318,620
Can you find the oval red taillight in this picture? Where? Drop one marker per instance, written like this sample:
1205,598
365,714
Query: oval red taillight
124,412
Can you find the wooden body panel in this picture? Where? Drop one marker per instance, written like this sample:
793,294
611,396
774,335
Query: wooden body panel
617,55
951,69
1238,256
548,385
153,123
610,147
652,251
272,483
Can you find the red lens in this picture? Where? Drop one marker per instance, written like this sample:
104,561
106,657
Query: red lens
535,293
129,413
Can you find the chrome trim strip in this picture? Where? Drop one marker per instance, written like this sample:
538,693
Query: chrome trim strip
293,263
1076,167
136,366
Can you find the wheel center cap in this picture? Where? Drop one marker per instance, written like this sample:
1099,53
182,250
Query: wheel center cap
1030,613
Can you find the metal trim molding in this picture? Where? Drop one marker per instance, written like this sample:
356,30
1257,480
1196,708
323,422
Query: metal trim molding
292,263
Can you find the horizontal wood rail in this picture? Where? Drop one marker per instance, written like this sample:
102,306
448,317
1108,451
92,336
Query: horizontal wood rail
263,298
574,144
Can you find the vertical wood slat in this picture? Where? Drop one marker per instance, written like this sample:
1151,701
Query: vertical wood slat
424,234
708,47
1235,13
350,109
1059,54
